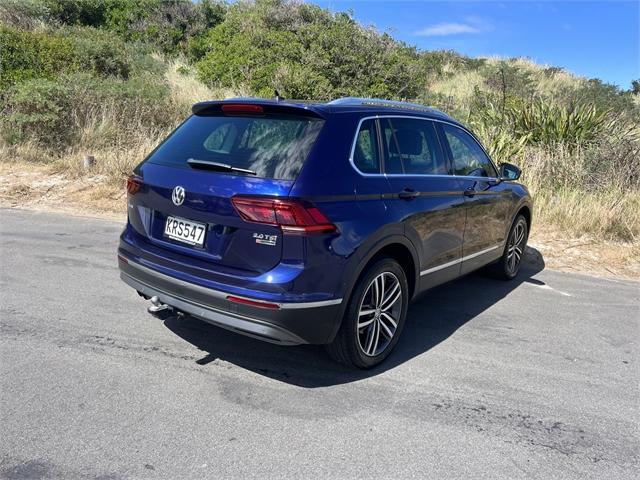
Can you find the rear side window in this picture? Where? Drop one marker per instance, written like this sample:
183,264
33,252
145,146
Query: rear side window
468,157
272,146
412,147
365,153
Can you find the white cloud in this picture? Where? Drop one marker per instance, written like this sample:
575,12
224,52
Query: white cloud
470,25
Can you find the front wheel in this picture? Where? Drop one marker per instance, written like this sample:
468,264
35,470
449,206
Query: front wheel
509,264
374,317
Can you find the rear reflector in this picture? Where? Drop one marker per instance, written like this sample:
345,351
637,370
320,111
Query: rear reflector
253,303
241,108
133,185
292,216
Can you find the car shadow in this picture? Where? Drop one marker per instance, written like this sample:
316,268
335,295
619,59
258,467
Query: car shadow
432,318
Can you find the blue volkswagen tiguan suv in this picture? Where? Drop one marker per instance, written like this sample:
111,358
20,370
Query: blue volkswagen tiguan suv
317,222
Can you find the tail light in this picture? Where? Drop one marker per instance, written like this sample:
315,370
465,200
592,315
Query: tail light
292,216
134,184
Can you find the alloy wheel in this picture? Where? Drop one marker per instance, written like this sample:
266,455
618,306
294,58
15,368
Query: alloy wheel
516,247
379,314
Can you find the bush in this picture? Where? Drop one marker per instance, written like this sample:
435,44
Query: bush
39,110
57,113
605,97
274,44
166,24
23,13
101,53
27,55
78,12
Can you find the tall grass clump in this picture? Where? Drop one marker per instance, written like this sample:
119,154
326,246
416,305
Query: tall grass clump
586,190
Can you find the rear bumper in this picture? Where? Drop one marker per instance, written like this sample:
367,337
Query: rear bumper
291,323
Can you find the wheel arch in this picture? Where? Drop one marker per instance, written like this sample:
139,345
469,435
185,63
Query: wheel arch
401,254
395,246
523,208
525,211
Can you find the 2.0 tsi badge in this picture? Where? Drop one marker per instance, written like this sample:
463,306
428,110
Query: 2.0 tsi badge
178,195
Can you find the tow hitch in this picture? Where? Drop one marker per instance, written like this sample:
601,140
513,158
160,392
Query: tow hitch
157,306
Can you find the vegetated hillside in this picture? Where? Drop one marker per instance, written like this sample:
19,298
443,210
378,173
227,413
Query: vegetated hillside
113,77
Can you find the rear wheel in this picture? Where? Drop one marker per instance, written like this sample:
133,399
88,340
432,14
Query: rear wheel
509,264
374,317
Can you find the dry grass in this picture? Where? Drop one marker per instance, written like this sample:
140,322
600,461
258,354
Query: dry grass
610,215
462,87
581,193
549,83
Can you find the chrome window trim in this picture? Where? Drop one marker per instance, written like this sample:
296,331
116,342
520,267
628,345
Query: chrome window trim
384,174
353,150
459,260
495,168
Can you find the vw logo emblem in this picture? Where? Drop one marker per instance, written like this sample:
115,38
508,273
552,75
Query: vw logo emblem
178,195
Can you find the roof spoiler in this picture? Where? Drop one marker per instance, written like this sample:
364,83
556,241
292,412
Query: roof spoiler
260,106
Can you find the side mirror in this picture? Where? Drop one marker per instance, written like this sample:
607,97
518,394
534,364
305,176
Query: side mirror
509,172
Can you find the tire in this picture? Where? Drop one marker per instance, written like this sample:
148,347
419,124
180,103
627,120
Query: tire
367,334
508,266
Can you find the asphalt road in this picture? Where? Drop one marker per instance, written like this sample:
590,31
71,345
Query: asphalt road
534,378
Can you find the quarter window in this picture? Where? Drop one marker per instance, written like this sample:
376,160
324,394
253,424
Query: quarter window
365,153
468,157
412,147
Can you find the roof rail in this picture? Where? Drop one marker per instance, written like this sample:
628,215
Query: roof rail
379,102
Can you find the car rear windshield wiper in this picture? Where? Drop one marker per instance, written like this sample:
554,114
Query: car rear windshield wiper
196,163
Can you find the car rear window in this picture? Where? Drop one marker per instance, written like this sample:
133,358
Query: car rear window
274,146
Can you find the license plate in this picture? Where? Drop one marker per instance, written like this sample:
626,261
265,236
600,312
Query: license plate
185,231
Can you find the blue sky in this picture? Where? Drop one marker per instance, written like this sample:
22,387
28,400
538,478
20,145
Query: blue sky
589,38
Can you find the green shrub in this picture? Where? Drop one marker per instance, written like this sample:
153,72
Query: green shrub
23,13
101,53
299,82
78,12
605,96
38,110
258,40
507,79
47,54
439,62
55,113
27,55
167,24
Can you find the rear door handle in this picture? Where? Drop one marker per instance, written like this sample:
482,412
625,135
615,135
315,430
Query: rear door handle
408,194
